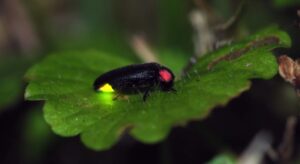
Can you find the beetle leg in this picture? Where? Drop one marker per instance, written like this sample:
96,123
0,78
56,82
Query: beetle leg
119,96
146,94
116,97
173,90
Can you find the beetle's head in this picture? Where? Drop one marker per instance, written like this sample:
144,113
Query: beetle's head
166,78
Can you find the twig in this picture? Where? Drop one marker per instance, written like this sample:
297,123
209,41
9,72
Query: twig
142,49
202,5
257,149
289,70
206,36
232,20
285,149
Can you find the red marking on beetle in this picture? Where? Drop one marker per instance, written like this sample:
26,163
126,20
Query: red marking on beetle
165,75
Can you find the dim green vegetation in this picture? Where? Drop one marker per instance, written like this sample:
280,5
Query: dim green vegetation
285,3
223,159
12,70
64,81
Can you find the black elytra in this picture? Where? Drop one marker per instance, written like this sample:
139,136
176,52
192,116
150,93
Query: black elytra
137,78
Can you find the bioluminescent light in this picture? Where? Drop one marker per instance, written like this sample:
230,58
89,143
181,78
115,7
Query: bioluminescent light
106,98
106,88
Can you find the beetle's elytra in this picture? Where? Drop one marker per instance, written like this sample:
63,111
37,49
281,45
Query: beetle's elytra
138,78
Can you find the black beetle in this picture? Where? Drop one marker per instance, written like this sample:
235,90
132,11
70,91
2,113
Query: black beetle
138,78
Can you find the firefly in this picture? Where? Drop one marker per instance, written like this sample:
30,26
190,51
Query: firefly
137,78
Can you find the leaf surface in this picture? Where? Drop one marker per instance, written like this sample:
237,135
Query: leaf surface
72,107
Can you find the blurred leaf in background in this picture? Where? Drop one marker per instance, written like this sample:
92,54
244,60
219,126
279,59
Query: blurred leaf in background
12,70
224,158
174,27
285,3
37,136
77,25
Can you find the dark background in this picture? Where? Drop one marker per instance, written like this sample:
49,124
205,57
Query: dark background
31,29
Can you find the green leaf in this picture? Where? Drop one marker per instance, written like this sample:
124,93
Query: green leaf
224,158
72,107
